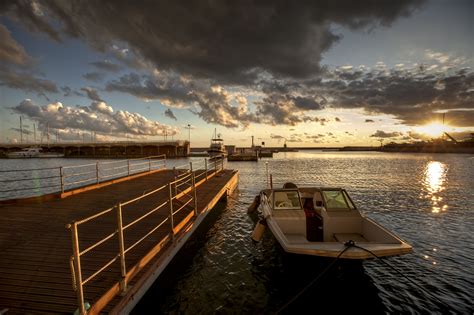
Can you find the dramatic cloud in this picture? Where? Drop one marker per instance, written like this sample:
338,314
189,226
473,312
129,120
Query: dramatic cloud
239,63
92,94
226,41
107,66
99,117
383,134
212,103
169,113
10,50
413,96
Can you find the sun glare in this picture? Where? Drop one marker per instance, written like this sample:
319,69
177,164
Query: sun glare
434,129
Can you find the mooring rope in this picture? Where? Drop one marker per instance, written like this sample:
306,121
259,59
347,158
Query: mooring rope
348,245
436,298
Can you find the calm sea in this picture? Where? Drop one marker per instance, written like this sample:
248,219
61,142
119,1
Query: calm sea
427,199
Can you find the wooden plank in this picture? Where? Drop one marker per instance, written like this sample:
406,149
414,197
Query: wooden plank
35,274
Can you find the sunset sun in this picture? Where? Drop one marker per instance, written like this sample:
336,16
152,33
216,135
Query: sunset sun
434,129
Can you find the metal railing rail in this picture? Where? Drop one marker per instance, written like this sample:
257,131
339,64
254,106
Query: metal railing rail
171,195
39,181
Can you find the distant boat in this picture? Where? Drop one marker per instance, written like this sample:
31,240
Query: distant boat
33,153
322,221
217,147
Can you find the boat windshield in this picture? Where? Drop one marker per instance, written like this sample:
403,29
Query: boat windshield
285,200
337,200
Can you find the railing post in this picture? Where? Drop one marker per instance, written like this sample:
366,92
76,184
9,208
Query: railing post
175,187
170,200
128,167
123,267
194,195
97,171
77,267
149,164
205,166
61,174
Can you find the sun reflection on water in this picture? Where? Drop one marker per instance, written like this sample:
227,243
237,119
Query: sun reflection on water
434,183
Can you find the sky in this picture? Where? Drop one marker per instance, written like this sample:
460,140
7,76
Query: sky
308,74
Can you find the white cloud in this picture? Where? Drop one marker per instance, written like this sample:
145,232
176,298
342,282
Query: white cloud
99,117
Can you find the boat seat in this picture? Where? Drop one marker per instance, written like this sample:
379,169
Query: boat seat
345,237
317,200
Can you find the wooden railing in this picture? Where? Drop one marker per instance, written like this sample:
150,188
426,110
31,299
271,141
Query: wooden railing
171,199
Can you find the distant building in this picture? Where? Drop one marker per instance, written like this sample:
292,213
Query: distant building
230,149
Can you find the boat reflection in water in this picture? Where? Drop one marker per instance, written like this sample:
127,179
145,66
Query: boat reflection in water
434,182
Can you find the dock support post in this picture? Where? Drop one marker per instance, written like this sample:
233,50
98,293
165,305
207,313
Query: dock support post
170,200
123,267
194,195
222,162
215,166
191,167
97,172
205,166
128,167
77,267
149,164
61,174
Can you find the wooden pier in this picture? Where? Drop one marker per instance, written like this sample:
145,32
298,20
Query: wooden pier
98,250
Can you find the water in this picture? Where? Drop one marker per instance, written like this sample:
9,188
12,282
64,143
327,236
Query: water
427,199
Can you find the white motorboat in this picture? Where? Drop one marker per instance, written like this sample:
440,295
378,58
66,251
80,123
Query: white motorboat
33,153
217,148
323,221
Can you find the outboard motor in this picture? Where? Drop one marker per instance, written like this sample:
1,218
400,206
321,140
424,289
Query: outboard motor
259,230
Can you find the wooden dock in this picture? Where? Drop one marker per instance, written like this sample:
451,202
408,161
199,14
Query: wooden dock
102,246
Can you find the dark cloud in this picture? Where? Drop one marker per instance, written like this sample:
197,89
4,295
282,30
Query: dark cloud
369,121
411,96
94,76
212,103
228,41
169,113
107,65
10,50
383,134
337,119
69,91
26,81
92,94
318,138
278,137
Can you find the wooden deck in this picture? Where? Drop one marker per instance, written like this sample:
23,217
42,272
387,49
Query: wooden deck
35,245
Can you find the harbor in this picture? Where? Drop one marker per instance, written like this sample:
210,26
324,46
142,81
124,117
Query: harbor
70,254
229,157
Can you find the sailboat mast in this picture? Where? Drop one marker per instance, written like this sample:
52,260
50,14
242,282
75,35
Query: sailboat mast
21,131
